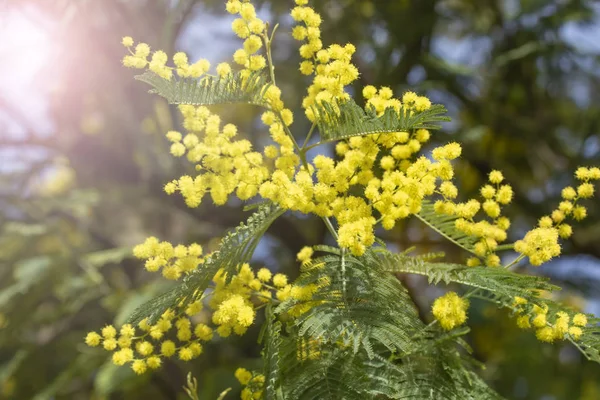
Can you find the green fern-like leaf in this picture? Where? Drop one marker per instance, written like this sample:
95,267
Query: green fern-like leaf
444,225
209,90
337,372
504,284
362,338
271,356
338,121
236,248
589,342
359,307
498,286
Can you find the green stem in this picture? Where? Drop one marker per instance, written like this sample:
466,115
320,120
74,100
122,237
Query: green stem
507,246
310,132
515,261
267,41
330,227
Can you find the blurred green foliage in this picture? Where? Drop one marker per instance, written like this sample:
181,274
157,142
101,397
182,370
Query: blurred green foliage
522,88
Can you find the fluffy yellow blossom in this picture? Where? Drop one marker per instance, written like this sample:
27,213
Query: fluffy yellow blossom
264,275
243,376
153,362
109,332
523,322
545,334
580,319
93,339
540,245
305,254
575,332
585,190
139,366
127,41
186,354
168,348
496,177
279,280
144,348
109,344
122,356
450,310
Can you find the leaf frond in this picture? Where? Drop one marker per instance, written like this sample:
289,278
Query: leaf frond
236,248
444,225
210,90
342,120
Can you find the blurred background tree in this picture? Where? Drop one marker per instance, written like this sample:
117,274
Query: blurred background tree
83,159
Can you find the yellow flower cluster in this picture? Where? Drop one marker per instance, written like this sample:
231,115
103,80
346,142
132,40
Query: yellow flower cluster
174,260
286,160
398,192
332,67
489,230
224,165
234,310
548,329
382,98
305,254
254,384
146,345
185,70
138,59
381,165
250,28
541,244
176,332
232,299
450,310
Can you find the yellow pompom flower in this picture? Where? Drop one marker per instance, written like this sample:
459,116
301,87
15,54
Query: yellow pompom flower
585,190
575,332
450,310
582,174
264,275
580,319
539,321
203,332
523,322
109,332
153,362
144,348
579,213
168,348
186,354
504,194
496,177
545,334
243,376
127,41
305,254
369,92
279,280
122,356
109,344
487,191
139,366
448,190
568,193
92,339
223,69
